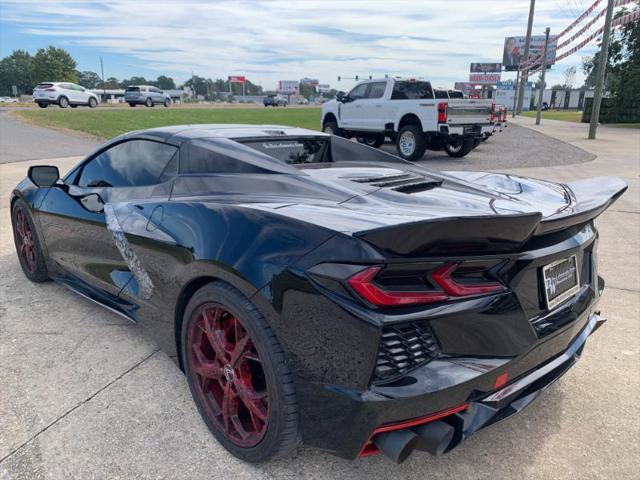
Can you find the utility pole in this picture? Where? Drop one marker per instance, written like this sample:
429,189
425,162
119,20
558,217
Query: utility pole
104,90
544,71
515,94
602,70
527,44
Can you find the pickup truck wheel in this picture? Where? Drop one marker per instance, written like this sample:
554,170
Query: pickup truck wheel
459,149
476,142
374,141
332,129
411,143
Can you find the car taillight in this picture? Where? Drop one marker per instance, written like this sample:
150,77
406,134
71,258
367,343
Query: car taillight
364,284
493,112
442,112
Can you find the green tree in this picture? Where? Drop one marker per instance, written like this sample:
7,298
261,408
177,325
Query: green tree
15,69
110,83
165,83
89,79
53,65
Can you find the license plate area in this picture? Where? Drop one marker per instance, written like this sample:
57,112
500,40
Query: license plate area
561,280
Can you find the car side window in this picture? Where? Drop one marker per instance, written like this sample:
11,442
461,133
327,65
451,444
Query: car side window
360,91
376,90
133,163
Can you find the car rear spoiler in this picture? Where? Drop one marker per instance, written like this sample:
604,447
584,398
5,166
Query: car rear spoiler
494,233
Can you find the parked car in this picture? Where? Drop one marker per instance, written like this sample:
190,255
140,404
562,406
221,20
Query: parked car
275,101
8,100
146,95
63,94
408,111
371,305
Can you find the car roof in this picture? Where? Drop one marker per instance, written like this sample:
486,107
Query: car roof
178,134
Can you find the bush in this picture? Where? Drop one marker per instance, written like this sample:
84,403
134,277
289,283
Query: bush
613,111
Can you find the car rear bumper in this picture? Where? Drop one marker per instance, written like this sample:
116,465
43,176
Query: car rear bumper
466,393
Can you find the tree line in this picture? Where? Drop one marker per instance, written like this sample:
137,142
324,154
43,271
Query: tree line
53,64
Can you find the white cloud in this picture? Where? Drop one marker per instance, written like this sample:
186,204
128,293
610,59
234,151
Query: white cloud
272,40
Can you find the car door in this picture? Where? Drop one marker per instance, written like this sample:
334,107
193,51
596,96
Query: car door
351,112
80,236
68,91
373,107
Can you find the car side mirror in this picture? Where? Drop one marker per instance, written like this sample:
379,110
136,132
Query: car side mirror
43,175
92,202
342,97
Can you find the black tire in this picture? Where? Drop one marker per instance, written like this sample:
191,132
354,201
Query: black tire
33,264
63,102
43,105
476,142
281,433
166,103
374,141
332,129
411,143
148,103
459,149
131,104
73,105
93,103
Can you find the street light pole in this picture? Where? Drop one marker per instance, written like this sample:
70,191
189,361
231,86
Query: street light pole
602,69
104,88
515,94
544,71
527,44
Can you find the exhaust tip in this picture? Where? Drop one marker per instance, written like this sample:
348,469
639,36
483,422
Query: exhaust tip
434,437
397,445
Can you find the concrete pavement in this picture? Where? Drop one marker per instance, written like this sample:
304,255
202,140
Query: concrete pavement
84,395
22,141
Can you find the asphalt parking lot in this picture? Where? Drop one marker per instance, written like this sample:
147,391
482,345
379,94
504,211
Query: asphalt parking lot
84,395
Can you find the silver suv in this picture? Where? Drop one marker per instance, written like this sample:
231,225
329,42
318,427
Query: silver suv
146,95
63,94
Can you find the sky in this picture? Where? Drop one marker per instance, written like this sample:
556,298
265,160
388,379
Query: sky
276,40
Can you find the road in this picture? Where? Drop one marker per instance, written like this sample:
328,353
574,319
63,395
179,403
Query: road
21,141
84,395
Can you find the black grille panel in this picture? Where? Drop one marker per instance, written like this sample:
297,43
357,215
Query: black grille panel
403,347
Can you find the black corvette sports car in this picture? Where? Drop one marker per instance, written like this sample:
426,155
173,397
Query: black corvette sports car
317,290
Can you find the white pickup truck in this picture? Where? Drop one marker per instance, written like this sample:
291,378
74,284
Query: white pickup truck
407,111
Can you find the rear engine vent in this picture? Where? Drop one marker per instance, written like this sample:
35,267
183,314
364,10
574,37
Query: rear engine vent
405,183
404,347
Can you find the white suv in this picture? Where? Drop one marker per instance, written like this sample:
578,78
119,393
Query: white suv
63,94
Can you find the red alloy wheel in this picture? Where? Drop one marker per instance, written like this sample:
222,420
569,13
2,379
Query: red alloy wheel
227,374
26,248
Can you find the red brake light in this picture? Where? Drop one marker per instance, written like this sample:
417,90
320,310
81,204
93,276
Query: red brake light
442,277
442,112
363,283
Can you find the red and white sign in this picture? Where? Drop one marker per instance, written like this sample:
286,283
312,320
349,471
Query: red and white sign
237,79
484,77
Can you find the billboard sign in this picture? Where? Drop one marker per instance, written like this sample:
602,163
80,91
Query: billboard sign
288,86
484,77
513,54
323,87
485,67
311,82
237,79
505,95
